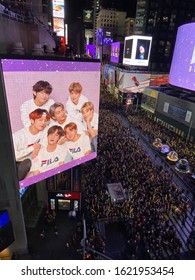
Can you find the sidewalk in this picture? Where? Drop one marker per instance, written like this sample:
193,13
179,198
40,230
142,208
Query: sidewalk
53,247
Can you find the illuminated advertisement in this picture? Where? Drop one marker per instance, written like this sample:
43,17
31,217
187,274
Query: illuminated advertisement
115,52
90,51
104,36
87,16
133,82
137,50
89,33
182,72
149,99
99,36
58,8
159,79
58,26
107,36
51,105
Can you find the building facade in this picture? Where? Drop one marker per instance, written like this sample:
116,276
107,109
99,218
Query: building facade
161,19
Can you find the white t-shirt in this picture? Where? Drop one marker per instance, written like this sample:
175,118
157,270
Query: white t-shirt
48,160
78,148
80,126
29,106
94,122
23,142
75,110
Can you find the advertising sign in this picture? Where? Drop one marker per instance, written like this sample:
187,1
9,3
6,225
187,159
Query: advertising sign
50,103
115,52
58,26
58,8
133,82
137,50
90,50
87,16
182,72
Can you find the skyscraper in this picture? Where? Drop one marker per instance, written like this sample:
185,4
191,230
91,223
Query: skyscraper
161,19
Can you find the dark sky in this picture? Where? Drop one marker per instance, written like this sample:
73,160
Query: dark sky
128,6
73,13
74,7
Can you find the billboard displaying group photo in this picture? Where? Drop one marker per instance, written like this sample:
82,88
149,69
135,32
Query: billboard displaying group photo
53,109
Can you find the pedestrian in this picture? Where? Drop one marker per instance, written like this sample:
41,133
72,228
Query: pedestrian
56,231
42,234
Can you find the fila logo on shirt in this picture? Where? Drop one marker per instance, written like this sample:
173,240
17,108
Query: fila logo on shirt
75,150
49,161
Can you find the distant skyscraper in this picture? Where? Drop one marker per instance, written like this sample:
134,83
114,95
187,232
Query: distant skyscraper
161,19
96,9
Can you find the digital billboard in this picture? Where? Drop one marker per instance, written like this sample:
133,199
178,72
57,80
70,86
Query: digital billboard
58,26
90,50
104,36
115,52
137,50
159,79
58,8
53,108
88,16
133,82
182,71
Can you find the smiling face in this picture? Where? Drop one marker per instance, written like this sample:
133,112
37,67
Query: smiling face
53,138
40,123
70,134
60,115
41,97
74,96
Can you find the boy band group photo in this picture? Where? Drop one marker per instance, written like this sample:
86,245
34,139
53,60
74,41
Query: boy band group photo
54,134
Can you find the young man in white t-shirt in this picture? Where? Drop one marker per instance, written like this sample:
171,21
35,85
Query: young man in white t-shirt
59,117
75,101
27,141
52,155
90,121
41,93
78,144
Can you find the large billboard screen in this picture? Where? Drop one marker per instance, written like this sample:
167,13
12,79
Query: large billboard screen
115,52
137,50
90,50
58,26
53,109
182,72
58,8
133,82
88,16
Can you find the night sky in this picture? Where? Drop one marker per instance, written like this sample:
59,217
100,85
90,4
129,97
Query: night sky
74,7
73,13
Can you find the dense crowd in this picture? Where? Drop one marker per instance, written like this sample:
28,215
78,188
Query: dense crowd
151,194
154,130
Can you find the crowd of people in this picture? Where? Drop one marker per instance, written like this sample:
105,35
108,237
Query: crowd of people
154,130
151,194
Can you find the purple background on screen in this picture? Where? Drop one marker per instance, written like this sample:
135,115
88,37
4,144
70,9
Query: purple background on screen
60,74
180,73
112,57
19,87
91,50
15,65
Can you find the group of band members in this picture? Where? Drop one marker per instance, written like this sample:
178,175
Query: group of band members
54,134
